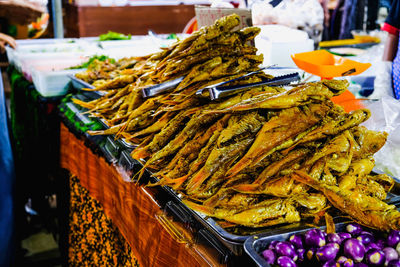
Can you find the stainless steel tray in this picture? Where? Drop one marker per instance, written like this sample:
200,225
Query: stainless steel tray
80,85
122,141
255,244
234,241
234,238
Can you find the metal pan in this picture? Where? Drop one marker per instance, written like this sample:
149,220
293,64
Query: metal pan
254,245
80,85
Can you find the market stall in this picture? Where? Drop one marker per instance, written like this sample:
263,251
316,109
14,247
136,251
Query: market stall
191,154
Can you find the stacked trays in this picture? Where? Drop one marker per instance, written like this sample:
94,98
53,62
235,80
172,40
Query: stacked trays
230,244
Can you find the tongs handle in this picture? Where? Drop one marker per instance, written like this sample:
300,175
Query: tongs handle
200,91
217,92
238,78
160,88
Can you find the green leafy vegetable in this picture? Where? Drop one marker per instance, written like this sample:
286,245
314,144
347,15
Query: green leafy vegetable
114,36
93,58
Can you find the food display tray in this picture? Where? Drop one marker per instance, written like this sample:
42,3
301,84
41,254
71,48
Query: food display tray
234,241
228,242
126,145
393,197
255,244
79,84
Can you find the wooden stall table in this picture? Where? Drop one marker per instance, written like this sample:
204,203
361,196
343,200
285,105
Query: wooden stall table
104,207
83,21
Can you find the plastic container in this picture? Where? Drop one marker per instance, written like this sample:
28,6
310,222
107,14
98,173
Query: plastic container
51,83
57,47
30,65
131,51
27,52
277,43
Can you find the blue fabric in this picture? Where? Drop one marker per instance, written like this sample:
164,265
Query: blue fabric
6,187
393,17
396,74
348,19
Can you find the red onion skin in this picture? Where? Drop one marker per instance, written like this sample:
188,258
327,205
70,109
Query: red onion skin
354,228
341,259
297,241
354,249
269,256
331,263
327,252
285,261
393,238
375,257
314,238
285,248
390,254
394,263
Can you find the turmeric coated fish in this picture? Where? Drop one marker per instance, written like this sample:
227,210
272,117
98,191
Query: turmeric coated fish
365,209
285,126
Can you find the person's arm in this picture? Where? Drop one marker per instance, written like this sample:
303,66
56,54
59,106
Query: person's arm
5,39
391,45
324,4
391,26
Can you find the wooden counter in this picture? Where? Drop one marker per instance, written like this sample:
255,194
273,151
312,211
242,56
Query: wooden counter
84,21
133,210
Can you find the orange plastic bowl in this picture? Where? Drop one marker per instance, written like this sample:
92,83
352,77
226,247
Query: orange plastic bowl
327,65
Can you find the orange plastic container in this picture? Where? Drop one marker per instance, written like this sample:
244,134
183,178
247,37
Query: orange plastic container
327,66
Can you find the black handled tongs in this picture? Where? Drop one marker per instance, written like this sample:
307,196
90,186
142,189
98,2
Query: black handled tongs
217,91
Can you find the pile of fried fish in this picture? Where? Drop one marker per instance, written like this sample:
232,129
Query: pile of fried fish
261,157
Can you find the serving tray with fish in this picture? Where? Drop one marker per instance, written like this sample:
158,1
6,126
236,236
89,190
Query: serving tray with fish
233,236
262,157
81,85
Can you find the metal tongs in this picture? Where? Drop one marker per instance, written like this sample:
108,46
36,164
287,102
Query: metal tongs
160,88
217,91
165,86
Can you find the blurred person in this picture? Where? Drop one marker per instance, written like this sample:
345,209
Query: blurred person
6,40
6,174
387,81
6,183
22,12
391,52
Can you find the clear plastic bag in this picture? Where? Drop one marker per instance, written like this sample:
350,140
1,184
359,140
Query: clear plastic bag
383,80
307,15
385,116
